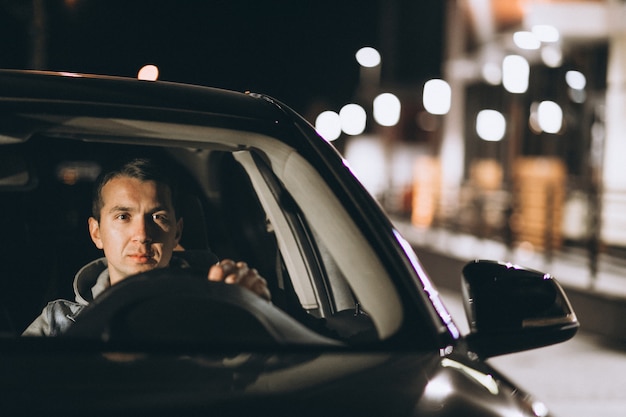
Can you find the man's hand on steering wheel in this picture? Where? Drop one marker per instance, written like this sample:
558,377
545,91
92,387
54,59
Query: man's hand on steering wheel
239,273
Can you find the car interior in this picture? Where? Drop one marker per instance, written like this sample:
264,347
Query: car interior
260,203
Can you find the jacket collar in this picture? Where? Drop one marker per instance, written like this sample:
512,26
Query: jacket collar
93,278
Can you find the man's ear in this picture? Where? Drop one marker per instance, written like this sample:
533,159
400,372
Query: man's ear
94,232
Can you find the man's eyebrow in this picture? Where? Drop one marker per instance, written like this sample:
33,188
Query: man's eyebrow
160,208
115,209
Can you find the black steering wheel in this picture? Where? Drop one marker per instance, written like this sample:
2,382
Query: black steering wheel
181,305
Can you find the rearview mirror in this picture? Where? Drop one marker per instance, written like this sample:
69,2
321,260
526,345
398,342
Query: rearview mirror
510,308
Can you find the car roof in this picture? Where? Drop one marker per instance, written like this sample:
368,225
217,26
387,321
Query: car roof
65,87
74,95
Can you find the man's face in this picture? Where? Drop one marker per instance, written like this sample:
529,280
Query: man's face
138,229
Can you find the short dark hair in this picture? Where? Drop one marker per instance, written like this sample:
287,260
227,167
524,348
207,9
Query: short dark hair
143,169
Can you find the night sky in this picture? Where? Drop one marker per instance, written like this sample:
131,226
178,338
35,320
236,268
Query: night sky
295,50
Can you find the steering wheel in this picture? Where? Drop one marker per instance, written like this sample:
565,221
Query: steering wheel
182,305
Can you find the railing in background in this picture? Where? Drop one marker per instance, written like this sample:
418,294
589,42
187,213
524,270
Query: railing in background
548,217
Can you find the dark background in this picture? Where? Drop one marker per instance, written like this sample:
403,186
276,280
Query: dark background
298,51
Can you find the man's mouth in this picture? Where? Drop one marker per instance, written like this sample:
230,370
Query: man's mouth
143,258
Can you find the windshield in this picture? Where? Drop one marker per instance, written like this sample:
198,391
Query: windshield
243,196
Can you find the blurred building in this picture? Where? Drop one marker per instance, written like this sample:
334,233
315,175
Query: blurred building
516,134
528,150
561,151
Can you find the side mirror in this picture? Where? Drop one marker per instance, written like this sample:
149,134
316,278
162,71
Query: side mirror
511,309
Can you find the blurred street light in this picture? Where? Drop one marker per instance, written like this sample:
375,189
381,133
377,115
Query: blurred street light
490,125
546,33
575,80
437,96
387,109
353,119
492,73
369,61
515,73
148,73
552,55
526,40
368,57
328,125
550,116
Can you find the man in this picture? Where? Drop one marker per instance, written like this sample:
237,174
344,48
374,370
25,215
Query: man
136,224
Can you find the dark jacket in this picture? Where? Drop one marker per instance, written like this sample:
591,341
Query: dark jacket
92,279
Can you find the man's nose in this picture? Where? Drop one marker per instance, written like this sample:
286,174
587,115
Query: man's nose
143,230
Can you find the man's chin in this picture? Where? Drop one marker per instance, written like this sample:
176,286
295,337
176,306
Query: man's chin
141,268
131,270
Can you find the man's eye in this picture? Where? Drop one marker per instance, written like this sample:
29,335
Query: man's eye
159,217
122,216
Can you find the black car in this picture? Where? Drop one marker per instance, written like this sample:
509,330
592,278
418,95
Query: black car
355,327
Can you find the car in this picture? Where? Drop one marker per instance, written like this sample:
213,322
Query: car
356,325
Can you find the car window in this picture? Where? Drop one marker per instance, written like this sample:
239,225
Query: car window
246,196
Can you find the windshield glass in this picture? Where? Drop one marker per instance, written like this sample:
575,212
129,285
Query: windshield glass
243,196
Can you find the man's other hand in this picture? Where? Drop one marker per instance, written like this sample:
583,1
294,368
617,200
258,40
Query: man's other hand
239,273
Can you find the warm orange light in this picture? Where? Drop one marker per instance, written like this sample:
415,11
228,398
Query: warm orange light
539,195
508,13
487,174
148,73
426,184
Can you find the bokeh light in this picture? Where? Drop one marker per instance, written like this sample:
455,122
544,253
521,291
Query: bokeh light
368,57
550,116
492,73
328,125
546,33
552,55
575,79
490,125
437,96
353,119
515,73
387,109
526,40
148,73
